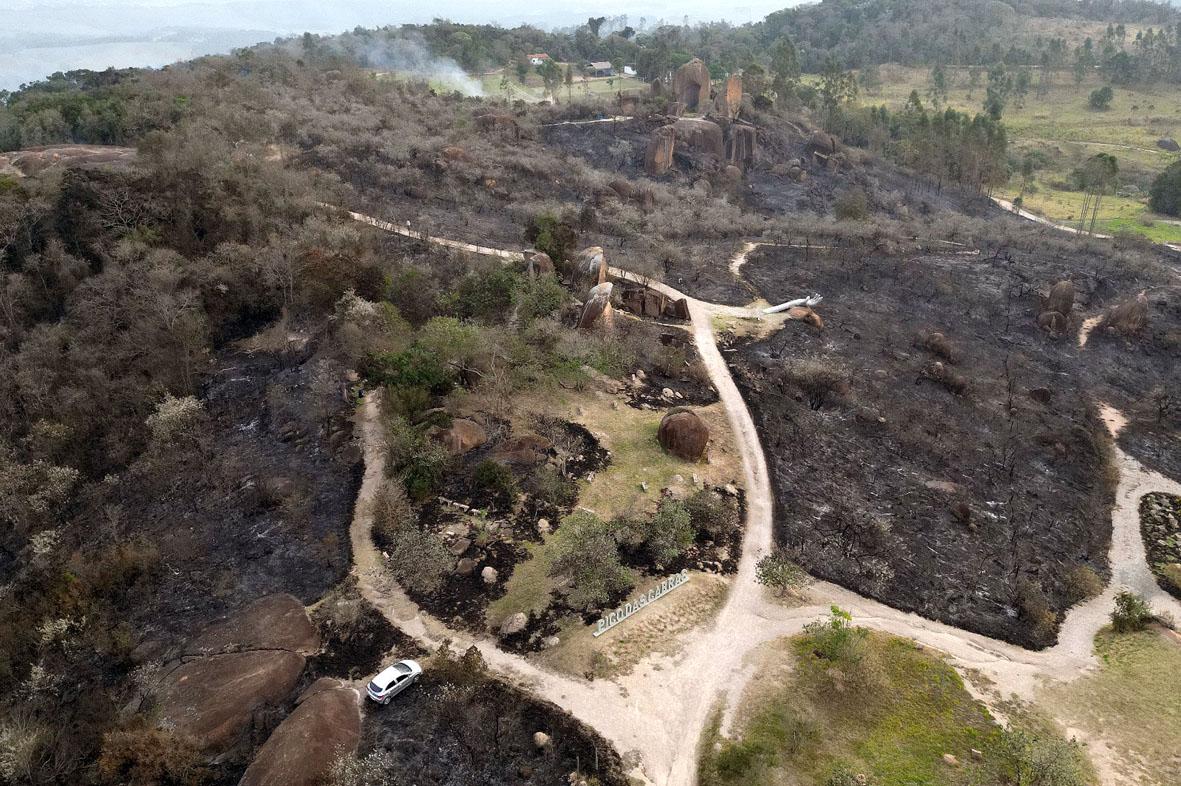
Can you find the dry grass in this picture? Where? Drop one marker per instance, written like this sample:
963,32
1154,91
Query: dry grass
654,630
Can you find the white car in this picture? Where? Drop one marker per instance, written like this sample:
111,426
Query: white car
393,680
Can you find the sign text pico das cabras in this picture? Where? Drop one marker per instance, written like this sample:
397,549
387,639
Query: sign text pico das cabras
632,606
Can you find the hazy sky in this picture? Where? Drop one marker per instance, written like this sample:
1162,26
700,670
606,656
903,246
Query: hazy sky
43,36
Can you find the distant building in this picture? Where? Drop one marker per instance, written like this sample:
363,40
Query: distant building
538,58
629,70
600,68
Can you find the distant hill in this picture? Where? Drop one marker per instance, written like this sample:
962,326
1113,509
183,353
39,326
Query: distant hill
967,32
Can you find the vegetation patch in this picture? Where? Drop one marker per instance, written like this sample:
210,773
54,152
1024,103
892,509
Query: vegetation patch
841,705
1130,703
1160,526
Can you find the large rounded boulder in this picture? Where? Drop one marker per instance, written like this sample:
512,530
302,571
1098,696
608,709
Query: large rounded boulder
463,436
301,751
274,622
684,434
691,84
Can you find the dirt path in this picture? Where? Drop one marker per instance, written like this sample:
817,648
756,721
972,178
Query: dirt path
656,715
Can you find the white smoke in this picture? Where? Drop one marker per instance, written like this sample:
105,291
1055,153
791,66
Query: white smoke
409,56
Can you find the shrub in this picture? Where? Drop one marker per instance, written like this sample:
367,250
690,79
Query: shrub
416,367
709,513
551,235
836,640
21,740
418,559
1132,612
549,486
146,756
851,205
488,295
820,382
495,478
1165,194
1082,583
1035,610
668,533
540,297
586,549
424,471
1044,760
1100,99
781,574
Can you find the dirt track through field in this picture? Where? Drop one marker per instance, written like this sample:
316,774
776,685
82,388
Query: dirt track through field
656,715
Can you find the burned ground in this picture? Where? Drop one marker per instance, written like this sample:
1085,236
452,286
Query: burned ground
457,726
961,475
261,503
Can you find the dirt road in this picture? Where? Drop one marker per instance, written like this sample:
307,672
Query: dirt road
656,715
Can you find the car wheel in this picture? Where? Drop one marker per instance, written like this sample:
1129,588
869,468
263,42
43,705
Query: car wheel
386,700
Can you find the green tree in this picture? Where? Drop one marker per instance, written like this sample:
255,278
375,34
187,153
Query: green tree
551,76
785,67
1044,760
568,78
586,549
1000,86
837,88
937,91
1166,191
1097,176
1100,98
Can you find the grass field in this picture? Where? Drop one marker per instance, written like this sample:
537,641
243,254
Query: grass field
1133,702
800,725
1065,130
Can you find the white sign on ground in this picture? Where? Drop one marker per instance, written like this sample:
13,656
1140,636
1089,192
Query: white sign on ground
632,606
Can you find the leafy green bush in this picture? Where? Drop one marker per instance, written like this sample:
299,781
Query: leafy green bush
668,533
413,367
1132,612
551,235
494,477
488,295
418,559
836,639
586,549
1100,99
1165,195
777,571
1045,760
711,514
540,297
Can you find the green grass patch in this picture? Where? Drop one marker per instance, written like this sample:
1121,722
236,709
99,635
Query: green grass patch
1133,701
891,717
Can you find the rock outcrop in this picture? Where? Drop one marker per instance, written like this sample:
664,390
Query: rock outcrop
701,136
597,310
540,264
462,436
659,158
1061,298
1128,317
301,751
684,434
212,700
1055,316
691,84
646,302
591,264
525,450
742,144
729,100
273,622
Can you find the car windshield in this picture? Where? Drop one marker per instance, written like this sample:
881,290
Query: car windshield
402,667
373,686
